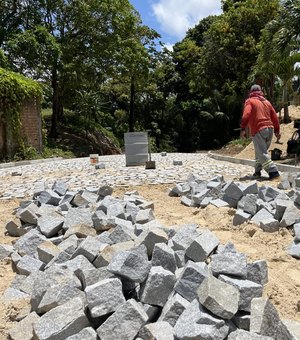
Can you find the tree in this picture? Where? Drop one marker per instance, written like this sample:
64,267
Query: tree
278,57
73,44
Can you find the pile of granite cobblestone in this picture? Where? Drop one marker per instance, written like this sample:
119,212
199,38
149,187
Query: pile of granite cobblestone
94,266
270,208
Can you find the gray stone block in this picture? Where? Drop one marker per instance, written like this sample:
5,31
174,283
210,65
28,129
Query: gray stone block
188,202
125,323
28,264
5,251
291,216
57,295
50,224
190,279
67,198
144,216
49,197
58,259
240,217
152,311
229,263
240,334
180,258
12,294
23,330
202,246
231,202
47,251
163,256
280,207
185,236
173,308
150,237
219,203
248,290
269,225
28,214
104,297
261,215
248,204
264,318
69,245
258,272
122,234
39,282
218,297
294,249
132,264
132,209
116,210
159,330
39,187
79,201
65,320
233,191
249,188
105,190
157,287
293,326
89,247
199,196
87,333
297,232
226,248
242,320
92,276
284,184
77,216
106,255
12,227
101,222
205,202
196,323
60,188
80,230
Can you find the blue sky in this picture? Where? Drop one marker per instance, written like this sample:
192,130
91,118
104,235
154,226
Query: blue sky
172,18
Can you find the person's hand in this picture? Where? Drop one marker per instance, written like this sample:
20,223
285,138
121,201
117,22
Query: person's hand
243,134
278,136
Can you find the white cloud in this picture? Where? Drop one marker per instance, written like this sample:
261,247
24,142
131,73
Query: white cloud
176,16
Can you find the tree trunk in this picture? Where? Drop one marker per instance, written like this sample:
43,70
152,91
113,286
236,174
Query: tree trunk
55,104
131,107
286,116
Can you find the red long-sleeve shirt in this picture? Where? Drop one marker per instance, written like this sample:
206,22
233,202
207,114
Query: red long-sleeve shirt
259,114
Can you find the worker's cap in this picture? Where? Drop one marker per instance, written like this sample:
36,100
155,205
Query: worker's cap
255,87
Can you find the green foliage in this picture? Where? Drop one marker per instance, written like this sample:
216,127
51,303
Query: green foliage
240,142
15,89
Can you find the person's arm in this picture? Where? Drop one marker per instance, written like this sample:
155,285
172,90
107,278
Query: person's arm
245,118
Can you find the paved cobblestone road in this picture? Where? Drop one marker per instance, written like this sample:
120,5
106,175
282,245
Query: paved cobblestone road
18,181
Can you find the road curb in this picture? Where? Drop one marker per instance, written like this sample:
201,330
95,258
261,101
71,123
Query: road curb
34,161
281,167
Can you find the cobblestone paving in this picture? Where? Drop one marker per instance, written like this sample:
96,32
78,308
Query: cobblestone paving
18,181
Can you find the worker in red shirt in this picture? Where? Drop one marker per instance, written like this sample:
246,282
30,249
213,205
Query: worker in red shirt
261,118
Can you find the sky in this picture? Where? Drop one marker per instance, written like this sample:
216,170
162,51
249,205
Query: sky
172,18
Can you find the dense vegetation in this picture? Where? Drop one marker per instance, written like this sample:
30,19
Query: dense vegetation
101,67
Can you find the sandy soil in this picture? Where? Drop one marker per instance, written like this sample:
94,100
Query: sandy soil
283,287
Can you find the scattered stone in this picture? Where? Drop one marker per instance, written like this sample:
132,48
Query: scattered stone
125,323
220,298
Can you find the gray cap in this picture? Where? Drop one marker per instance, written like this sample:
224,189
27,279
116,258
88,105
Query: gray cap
255,87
